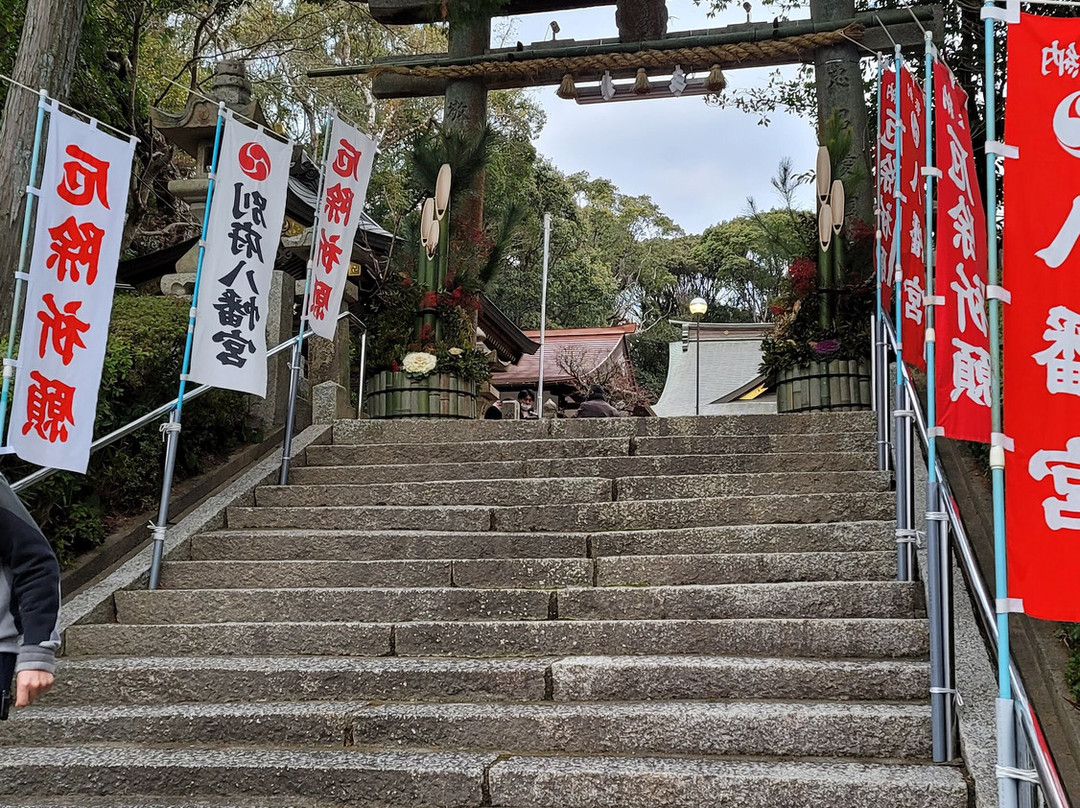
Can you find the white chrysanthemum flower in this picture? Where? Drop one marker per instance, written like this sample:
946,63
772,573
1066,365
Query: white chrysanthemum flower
419,362
455,351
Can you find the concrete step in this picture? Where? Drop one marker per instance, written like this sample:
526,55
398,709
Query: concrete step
584,467
663,514
817,599
631,678
222,680
698,486
354,545
426,430
743,728
330,605
167,680
514,573
680,570
874,638
586,517
779,538
558,491
611,782
332,777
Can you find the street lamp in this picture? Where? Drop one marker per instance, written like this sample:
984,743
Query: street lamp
698,307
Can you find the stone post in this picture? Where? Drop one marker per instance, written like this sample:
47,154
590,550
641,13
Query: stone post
840,87
266,412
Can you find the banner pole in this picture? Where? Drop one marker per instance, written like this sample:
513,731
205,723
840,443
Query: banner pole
297,358
935,571
1005,709
543,315
171,429
24,257
901,415
881,355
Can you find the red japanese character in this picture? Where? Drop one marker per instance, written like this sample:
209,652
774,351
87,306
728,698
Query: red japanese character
347,160
320,300
63,329
74,245
49,408
338,204
84,178
329,252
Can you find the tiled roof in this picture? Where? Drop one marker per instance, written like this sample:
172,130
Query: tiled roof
593,347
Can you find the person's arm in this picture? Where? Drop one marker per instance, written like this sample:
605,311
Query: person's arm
36,590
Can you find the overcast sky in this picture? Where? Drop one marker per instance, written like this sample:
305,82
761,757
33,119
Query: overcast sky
697,162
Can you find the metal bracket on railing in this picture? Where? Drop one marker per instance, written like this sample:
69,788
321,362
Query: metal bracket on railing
909,536
1024,775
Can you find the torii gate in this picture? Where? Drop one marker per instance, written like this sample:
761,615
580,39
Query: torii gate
644,49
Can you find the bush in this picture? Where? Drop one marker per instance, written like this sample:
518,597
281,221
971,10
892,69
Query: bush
141,372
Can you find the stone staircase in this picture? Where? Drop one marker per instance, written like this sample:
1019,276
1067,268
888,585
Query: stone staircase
624,612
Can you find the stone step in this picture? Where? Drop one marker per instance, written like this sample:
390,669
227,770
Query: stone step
738,728
815,599
167,680
586,517
608,782
556,491
354,545
332,777
699,486
523,573
157,802
330,605
426,430
619,678
441,451
873,638
680,570
674,513
584,466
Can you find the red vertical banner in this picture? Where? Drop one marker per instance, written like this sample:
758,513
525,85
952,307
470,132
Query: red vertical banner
911,226
963,342
1042,324
889,128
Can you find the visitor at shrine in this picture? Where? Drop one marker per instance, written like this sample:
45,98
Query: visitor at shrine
596,405
526,405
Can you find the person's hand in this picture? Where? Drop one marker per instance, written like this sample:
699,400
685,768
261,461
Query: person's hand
30,685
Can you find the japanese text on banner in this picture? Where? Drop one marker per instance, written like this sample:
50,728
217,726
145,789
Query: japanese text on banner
890,127
80,222
346,175
1042,325
963,340
911,227
246,214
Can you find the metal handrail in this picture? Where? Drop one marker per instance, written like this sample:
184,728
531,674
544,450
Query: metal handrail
122,432
1049,781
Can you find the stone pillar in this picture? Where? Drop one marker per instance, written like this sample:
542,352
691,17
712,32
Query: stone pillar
840,87
270,411
465,111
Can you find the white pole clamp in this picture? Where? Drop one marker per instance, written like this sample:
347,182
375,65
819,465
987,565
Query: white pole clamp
909,536
1002,149
1009,606
949,691
1010,14
937,516
935,432
995,292
931,171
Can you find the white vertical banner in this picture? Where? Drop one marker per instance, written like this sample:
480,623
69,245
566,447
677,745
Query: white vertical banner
246,213
346,174
77,237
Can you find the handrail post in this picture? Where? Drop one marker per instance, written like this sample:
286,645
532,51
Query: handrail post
879,349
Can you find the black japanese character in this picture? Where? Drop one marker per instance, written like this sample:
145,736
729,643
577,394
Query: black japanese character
246,240
253,203
233,310
234,345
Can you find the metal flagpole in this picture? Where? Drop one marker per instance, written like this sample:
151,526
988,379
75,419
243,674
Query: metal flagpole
171,429
936,571
1005,708
297,357
902,433
543,315
24,257
881,355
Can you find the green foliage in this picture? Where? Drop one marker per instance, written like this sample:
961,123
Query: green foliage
141,372
649,354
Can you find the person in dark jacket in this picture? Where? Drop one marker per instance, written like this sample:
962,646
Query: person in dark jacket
29,604
596,405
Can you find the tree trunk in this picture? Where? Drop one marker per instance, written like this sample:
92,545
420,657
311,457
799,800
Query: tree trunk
466,112
46,59
840,87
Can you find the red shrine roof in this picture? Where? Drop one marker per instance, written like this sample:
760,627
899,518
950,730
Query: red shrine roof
593,347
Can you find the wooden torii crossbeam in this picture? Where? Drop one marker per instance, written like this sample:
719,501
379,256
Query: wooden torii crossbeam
546,63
